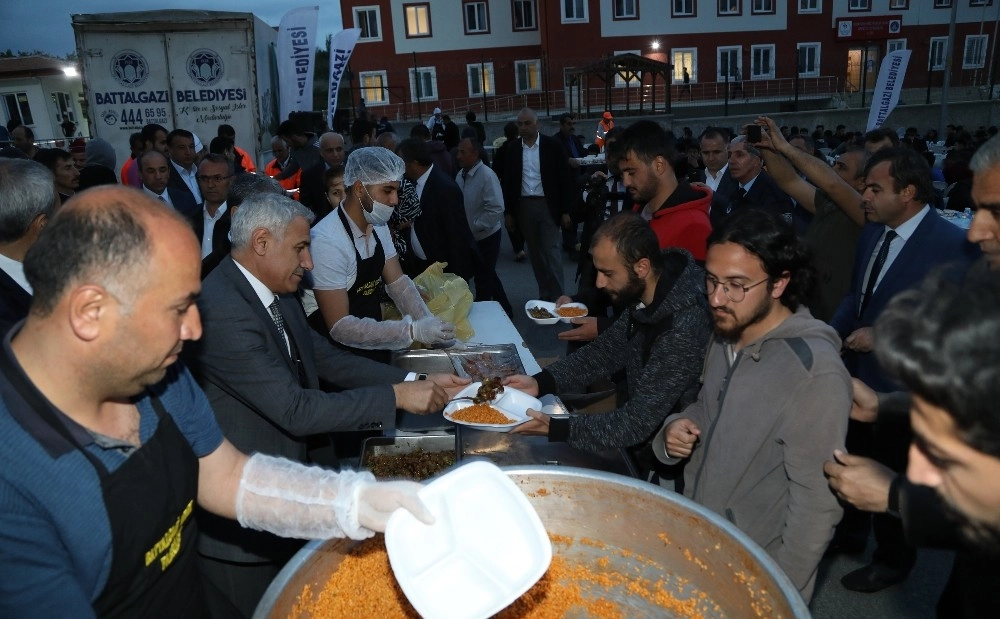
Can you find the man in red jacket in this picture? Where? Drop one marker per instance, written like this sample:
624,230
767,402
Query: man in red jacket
677,211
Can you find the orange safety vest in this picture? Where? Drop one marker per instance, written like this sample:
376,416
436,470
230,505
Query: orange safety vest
292,182
602,130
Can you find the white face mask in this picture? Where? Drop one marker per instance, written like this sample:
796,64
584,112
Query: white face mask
380,212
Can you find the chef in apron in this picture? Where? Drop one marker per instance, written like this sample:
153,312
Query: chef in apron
356,266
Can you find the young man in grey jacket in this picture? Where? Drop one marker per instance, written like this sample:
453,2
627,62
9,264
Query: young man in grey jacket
774,401
659,341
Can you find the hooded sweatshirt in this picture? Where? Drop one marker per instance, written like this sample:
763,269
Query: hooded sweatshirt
100,152
769,419
682,221
661,349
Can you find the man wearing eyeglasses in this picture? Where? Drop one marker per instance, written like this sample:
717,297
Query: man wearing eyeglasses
214,175
774,401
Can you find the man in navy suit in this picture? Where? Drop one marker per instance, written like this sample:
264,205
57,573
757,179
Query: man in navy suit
215,173
904,240
27,199
183,171
753,187
441,232
154,172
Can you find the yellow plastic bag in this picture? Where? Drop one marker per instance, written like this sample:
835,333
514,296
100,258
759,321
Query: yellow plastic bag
447,296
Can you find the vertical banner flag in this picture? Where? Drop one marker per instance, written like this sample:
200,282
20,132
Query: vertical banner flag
341,47
887,87
296,57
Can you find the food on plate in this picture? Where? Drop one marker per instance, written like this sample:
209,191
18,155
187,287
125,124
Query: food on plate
480,414
488,391
540,313
417,465
571,312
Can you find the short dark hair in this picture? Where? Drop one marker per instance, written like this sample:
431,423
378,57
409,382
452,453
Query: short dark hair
135,139
226,131
773,240
941,341
714,133
415,149
510,130
470,117
331,173
648,140
51,157
566,116
634,240
28,133
420,131
244,185
179,133
101,243
217,158
148,132
906,167
882,133
219,145
27,190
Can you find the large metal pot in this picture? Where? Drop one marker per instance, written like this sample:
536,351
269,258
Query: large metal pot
664,536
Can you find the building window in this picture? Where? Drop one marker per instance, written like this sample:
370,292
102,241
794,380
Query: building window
859,5
620,82
63,103
17,108
936,59
524,14
528,75
729,7
374,87
893,45
424,87
762,7
477,18
899,5
682,8
686,58
481,79
980,2
417,18
808,59
574,11
625,9
975,51
942,4
762,62
810,6
367,18
730,64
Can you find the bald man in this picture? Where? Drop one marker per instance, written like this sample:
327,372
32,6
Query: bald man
312,191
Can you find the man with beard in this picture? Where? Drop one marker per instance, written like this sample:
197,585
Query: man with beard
774,401
676,211
659,342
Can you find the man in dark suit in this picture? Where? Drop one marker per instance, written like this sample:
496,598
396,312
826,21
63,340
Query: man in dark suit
904,240
441,232
753,187
261,365
183,171
538,194
154,173
312,191
215,174
27,199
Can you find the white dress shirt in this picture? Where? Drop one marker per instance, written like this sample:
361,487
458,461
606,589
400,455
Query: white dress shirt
15,270
189,178
531,170
265,295
713,181
163,197
904,232
206,237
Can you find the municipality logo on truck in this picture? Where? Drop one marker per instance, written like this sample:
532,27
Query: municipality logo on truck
129,68
205,67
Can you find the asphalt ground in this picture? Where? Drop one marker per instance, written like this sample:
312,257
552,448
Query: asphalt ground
914,598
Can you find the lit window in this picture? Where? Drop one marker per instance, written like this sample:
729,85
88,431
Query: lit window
481,79
686,58
418,20
374,87
528,75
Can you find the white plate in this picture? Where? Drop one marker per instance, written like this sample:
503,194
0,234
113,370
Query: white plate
486,547
512,402
551,307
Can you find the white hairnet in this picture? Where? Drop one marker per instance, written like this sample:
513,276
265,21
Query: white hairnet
372,165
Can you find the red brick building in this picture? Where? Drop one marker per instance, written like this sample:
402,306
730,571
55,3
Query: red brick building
503,54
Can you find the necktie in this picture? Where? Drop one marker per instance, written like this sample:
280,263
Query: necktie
279,320
738,199
465,173
883,253
162,199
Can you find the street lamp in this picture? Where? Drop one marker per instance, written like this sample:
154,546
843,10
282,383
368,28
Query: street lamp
655,46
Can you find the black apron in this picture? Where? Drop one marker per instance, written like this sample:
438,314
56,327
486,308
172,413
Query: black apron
365,297
150,502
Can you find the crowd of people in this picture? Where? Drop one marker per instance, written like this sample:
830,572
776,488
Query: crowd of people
192,347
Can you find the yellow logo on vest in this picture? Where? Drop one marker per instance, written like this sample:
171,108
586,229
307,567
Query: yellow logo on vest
170,544
368,288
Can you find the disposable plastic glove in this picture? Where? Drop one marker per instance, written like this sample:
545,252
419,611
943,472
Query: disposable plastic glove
371,334
405,295
434,332
376,502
